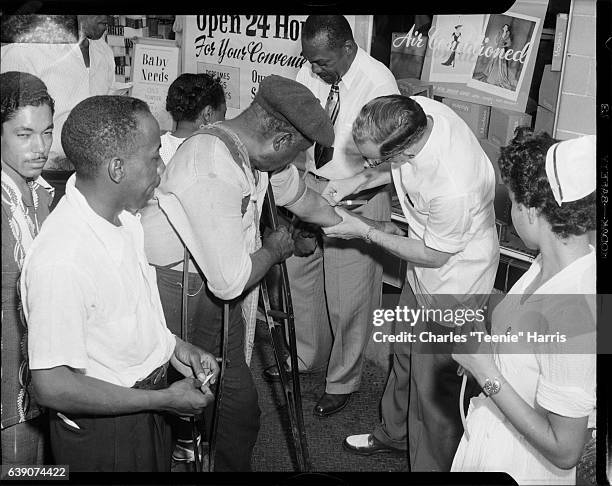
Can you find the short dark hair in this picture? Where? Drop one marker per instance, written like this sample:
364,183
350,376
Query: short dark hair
522,164
336,29
18,90
393,122
99,128
190,93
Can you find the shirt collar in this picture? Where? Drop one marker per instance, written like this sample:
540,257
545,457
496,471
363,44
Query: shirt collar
350,76
109,235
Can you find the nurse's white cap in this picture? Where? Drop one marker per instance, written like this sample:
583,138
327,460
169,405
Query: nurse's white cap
571,167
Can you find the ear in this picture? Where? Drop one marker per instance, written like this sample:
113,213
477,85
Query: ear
349,46
282,140
116,170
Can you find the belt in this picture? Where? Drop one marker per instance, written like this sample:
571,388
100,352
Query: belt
156,380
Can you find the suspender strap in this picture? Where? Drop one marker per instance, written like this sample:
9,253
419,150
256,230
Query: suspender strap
228,140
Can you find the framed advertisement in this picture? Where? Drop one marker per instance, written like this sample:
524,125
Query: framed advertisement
509,42
454,41
156,65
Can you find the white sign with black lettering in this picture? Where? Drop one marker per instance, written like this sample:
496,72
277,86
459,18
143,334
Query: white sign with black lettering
155,66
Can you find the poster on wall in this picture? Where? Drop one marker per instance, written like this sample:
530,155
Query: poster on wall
509,42
243,49
156,65
455,41
496,69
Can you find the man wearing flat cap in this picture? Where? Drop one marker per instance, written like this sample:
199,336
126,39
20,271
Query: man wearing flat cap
210,199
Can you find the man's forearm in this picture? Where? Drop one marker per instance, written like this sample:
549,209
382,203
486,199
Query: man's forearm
65,390
262,260
312,208
410,249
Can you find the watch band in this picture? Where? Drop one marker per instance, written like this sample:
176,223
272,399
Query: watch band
492,386
368,236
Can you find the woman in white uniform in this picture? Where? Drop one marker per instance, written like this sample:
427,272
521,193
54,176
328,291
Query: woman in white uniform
538,402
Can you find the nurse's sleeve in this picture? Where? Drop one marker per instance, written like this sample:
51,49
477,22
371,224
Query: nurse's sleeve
566,385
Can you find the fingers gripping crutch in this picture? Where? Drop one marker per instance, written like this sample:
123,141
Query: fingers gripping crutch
291,391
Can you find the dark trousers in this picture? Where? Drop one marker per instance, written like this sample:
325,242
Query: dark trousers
238,421
420,404
136,442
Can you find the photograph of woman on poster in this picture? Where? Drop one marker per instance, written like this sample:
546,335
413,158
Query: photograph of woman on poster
453,46
504,54
497,71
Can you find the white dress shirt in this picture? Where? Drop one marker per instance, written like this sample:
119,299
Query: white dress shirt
90,297
446,193
365,80
62,68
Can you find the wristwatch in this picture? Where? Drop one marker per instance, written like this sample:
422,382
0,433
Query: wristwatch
368,235
492,386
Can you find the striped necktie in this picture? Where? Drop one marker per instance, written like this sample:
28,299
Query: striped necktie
332,107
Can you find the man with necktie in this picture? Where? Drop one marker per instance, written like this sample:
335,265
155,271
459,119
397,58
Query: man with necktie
336,288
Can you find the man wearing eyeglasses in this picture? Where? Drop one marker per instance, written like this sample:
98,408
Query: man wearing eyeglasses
445,184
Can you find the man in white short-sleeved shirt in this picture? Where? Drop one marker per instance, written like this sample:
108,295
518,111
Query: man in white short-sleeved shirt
445,184
72,72
98,344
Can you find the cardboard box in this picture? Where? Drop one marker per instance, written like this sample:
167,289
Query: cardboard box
493,151
549,88
476,116
544,121
559,43
414,87
502,124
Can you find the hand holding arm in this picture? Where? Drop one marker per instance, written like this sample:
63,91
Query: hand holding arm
390,237
338,189
312,208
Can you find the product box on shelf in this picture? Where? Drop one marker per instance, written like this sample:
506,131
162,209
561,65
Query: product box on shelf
476,116
544,121
414,87
549,88
503,123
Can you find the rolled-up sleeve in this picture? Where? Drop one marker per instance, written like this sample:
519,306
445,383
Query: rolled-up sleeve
448,224
287,186
567,379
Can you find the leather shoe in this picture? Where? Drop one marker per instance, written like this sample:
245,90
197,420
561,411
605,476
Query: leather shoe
329,404
366,445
